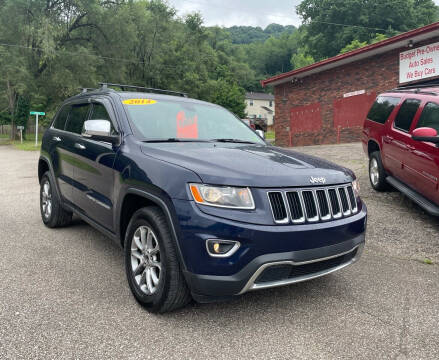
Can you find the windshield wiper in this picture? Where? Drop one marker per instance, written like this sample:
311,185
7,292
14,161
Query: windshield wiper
172,140
238,141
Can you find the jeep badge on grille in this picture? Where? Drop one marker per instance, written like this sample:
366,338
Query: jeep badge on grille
317,180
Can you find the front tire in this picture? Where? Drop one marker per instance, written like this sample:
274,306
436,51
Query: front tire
151,263
377,174
52,212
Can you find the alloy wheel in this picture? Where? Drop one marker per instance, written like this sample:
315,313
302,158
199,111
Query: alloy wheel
145,259
374,172
46,199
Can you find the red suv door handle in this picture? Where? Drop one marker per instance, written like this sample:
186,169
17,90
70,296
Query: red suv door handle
388,139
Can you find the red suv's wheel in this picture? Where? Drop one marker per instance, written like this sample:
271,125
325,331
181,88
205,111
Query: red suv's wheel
377,174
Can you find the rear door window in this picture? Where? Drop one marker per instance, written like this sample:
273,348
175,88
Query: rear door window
382,108
60,120
406,113
429,116
78,114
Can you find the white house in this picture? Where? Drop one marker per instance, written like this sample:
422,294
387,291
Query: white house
260,106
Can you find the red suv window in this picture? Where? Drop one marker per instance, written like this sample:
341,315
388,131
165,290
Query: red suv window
429,117
406,114
382,108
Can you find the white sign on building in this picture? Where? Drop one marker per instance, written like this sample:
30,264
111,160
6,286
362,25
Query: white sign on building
420,63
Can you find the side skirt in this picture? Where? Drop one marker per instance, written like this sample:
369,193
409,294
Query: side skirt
93,223
413,195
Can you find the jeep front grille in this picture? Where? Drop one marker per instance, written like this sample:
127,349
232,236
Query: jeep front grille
310,205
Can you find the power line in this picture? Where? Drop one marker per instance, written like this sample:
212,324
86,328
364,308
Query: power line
347,25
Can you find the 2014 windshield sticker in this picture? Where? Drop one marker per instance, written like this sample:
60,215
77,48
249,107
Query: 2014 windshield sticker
139,102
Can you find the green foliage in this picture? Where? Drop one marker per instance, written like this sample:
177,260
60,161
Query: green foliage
21,114
251,34
5,118
58,46
385,17
354,44
231,96
301,59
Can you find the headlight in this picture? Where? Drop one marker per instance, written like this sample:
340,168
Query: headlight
223,196
356,187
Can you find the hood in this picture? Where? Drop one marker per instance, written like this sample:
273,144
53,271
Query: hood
248,165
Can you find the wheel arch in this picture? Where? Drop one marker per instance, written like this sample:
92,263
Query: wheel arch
134,199
372,146
43,167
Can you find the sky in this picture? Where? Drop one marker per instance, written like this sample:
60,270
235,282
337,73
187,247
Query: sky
242,12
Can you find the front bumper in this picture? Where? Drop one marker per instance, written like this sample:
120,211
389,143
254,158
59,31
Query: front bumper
269,255
247,279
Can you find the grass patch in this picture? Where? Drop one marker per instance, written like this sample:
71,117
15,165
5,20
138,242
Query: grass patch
27,145
269,135
4,136
428,261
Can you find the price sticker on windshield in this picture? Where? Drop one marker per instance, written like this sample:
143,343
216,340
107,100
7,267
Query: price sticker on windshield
139,102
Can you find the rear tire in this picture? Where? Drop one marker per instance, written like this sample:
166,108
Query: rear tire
52,212
377,174
151,263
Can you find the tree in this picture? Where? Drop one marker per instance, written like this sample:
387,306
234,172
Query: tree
355,44
231,96
329,23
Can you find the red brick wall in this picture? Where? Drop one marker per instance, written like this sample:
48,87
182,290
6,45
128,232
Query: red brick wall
375,74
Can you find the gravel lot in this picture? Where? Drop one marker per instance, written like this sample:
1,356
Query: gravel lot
63,292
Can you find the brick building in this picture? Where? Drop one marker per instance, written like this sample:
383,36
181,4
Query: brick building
327,102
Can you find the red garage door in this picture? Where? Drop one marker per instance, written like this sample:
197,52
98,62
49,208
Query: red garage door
351,111
306,118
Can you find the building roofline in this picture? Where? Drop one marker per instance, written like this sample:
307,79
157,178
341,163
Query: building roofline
419,34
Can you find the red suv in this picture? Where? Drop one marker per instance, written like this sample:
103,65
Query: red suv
400,138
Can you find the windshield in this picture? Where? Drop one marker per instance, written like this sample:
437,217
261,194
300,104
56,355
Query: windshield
167,119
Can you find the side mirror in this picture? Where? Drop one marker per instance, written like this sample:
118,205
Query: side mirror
99,130
260,133
425,134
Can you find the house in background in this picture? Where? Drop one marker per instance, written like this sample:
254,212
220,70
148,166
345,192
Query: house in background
260,106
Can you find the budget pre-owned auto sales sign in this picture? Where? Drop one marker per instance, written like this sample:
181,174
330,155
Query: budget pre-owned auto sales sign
420,63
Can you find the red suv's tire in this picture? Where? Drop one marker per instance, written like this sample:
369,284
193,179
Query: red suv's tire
377,174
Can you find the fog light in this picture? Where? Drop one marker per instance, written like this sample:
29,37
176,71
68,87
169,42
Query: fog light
221,248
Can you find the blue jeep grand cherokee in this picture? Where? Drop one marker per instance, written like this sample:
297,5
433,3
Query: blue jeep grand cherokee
201,205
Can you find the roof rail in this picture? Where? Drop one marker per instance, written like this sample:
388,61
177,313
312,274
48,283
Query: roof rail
419,86
141,88
84,89
415,90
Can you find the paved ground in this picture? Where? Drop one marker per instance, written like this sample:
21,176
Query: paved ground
63,293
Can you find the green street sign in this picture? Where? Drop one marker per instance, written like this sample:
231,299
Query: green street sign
37,113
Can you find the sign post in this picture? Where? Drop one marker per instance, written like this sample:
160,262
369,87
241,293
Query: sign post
21,128
37,113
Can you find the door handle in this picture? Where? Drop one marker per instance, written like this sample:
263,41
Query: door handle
79,146
388,139
56,138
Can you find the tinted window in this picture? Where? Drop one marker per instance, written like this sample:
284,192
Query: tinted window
60,120
382,108
78,114
100,113
406,114
429,116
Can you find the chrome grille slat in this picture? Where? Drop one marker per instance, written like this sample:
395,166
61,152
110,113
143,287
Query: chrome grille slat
311,205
